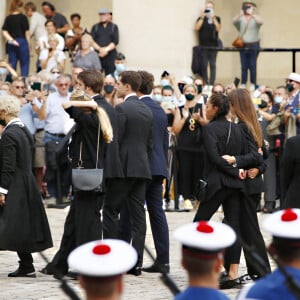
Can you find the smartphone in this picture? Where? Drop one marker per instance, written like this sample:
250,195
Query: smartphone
236,82
36,86
197,107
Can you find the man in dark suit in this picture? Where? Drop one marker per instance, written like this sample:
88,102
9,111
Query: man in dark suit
158,166
291,174
159,171
135,145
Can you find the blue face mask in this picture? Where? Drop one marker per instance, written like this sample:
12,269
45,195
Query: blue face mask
120,68
157,97
3,71
278,99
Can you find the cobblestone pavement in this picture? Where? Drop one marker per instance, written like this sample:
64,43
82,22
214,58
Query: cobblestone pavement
147,286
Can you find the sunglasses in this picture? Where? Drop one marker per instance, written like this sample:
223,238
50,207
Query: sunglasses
63,84
19,87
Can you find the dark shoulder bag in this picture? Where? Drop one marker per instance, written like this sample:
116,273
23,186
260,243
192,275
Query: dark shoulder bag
88,180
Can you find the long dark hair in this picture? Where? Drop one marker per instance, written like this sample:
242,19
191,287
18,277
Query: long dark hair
242,105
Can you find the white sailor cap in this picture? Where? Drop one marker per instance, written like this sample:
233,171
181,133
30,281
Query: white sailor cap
294,76
186,80
284,224
210,237
103,258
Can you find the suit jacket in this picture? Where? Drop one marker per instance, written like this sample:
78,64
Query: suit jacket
251,159
135,137
291,172
217,142
112,162
160,139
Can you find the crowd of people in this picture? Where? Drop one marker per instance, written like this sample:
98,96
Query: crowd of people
153,141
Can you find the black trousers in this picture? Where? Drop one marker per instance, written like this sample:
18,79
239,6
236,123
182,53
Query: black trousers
82,225
130,192
251,235
26,261
158,220
230,199
190,168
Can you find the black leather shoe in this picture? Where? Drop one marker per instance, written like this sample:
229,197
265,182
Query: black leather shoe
136,271
157,268
230,284
45,271
21,273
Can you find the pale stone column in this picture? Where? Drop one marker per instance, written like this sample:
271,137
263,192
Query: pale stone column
156,35
2,17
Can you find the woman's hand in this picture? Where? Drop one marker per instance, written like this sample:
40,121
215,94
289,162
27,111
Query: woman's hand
252,173
2,199
230,159
242,174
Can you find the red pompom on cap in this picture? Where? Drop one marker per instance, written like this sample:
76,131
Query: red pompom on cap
101,249
204,227
289,215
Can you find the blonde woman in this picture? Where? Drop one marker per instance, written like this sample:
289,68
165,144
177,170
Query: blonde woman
86,58
83,223
24,226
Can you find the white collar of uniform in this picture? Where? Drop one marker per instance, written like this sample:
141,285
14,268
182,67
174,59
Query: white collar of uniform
15,121
129,95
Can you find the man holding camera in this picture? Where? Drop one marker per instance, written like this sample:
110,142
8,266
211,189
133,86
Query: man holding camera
208,25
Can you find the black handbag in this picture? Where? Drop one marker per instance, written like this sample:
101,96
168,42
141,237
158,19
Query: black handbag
88,180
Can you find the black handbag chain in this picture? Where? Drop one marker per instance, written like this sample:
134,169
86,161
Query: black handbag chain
80,162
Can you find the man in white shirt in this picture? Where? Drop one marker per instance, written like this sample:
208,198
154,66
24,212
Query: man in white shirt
37,21
55,121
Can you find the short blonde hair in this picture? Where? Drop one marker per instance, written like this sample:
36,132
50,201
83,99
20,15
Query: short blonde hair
10,104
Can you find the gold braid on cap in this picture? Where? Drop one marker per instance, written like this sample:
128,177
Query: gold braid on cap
106,129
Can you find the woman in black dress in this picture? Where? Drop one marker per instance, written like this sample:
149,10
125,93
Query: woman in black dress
24,226
83,223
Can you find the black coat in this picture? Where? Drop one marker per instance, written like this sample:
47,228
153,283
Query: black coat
291,172
217,142
112,163
23,221
135,137
160,139
251,159
86,132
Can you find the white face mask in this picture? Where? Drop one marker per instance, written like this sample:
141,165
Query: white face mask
164,82
54,75
157,97
167,98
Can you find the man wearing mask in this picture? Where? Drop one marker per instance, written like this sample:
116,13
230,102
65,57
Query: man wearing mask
208,26
292,115
106,37
119,64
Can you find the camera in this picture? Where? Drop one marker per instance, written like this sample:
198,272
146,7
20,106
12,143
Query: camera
207,10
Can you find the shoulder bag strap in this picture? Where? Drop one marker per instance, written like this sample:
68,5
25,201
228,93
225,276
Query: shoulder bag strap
97,152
